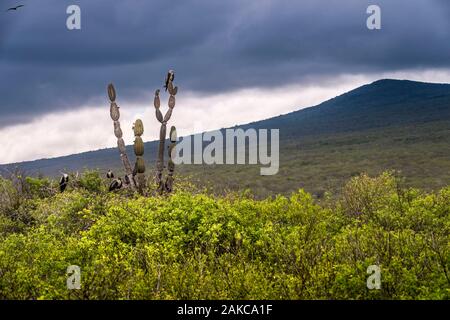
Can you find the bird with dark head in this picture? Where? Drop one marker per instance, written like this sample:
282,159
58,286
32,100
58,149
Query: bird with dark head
169,78
110,174
15,8
63,182
116,184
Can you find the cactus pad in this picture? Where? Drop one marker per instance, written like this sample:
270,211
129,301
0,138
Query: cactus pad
117,130
138,128
138,146
140,165
121,145
111,92
114,111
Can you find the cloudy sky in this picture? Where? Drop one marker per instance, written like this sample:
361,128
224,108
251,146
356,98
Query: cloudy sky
236,61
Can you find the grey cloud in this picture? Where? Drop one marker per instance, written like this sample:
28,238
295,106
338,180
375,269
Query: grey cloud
213,45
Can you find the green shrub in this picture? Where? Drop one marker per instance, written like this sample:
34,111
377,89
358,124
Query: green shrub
40,187
192,245
9,196
92,181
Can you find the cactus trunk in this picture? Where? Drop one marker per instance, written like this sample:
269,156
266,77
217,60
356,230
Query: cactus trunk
171,164
139,168
167,185
115,115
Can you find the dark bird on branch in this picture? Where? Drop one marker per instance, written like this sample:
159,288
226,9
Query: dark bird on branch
63,182
110,174
15,8
169,78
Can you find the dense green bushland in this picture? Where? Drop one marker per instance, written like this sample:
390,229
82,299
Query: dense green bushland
192,245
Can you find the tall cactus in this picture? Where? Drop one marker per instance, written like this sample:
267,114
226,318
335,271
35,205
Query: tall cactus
115,115
162,133
138,128
139,168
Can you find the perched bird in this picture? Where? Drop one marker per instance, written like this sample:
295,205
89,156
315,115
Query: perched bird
15,8
116,184
63,182
110,174
169,78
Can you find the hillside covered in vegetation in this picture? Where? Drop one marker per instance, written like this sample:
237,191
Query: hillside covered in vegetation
194,245
388,124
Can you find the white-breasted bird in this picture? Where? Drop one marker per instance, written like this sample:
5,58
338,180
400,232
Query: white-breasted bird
116,184
63,182
110,174
169,78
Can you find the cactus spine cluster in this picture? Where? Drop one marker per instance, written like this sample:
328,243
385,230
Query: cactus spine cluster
115,115
167,185
139,168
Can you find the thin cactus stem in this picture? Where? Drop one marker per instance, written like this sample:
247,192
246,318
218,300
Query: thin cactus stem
161,186
139,170
115,115
171,164
160,163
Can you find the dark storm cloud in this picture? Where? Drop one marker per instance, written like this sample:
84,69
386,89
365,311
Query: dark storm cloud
213,45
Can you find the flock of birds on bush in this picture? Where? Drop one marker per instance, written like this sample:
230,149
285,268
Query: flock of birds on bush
115,184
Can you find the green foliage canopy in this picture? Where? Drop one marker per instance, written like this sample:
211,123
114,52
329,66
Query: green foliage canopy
192,245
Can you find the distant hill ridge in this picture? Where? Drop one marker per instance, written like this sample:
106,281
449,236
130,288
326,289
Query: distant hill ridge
383,103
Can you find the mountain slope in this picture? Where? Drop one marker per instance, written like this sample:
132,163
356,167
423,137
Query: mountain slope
380,104
389,124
